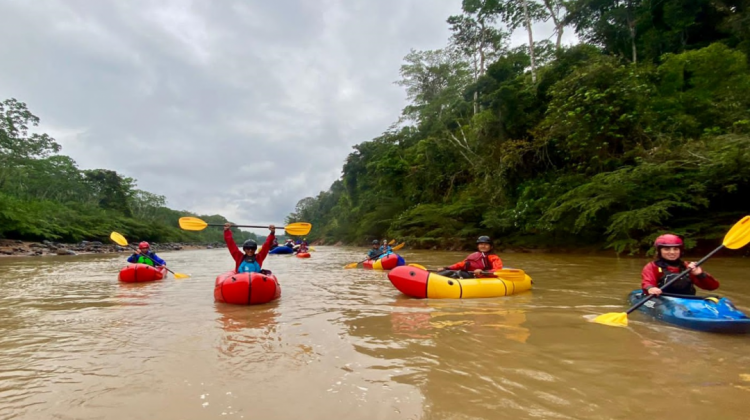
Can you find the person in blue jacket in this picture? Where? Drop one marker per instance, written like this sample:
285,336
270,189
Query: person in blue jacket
374,252
146,256
386,249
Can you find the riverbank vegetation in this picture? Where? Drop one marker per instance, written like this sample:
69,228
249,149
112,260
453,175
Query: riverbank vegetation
641,128
45,196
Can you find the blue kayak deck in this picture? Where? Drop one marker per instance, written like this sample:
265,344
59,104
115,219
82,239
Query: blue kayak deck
701,313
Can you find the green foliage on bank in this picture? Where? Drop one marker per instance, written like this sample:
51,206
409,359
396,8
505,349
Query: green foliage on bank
642,128
43,194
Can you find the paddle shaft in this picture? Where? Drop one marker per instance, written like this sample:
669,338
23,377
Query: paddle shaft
483,272
372,258
152,260
246,226
683,274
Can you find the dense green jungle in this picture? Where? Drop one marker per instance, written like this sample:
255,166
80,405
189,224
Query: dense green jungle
640,128
45,196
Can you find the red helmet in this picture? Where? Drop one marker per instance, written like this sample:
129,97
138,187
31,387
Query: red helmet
143,245
668,240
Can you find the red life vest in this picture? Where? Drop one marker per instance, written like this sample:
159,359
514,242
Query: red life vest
477,261
683,286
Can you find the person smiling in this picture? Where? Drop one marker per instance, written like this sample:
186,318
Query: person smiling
668,263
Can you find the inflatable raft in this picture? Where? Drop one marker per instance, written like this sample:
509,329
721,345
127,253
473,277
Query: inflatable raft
281,250
388,262
701,313
303,255
138,273
419,283
246,288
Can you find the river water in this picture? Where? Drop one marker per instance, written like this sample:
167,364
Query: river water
345,344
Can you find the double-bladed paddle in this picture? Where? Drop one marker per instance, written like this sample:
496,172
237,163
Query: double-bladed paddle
737,237
294,229
510,274
395,248
120,240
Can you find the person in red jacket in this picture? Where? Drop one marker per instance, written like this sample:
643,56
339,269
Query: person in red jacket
248,262
482,260
668,264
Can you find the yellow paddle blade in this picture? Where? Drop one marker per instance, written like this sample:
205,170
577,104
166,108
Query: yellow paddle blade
418,266
739,235
511,274
399,246
352,265
181,276
192,223
393,241
615,319
712,299
118,239
298,229
312,248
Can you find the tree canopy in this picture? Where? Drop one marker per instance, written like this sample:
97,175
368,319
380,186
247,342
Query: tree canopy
43,194
642,128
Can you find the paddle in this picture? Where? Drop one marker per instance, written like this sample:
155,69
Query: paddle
736,238
120,240
294,229
354,265
510,274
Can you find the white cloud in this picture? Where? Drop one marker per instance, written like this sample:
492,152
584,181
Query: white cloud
233,107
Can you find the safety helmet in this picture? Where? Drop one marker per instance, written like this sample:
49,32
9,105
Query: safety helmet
143,245
484,240
250,244
375,242
668,240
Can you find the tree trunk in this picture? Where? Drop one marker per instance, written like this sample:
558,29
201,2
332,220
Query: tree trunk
527,18
632,41
559,27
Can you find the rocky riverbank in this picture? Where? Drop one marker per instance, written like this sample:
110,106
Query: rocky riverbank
17,248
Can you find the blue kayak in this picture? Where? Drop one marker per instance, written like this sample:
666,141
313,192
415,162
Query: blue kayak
281,250
701,313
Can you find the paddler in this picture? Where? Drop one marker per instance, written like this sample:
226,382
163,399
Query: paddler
668,263
146,256
248,262
302,247
375,251
473,265
385,249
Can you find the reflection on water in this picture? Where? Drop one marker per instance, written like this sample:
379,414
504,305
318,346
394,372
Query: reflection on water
422,318
77,344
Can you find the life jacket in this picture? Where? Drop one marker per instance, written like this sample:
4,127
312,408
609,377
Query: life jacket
143,260
477,261
249,265
683,286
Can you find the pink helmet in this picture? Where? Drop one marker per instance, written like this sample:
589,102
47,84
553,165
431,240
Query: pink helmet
668,240
144,245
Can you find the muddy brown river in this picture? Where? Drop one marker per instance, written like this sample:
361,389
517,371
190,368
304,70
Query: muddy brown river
345,344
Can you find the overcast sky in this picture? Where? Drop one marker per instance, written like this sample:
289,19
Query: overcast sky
236,107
